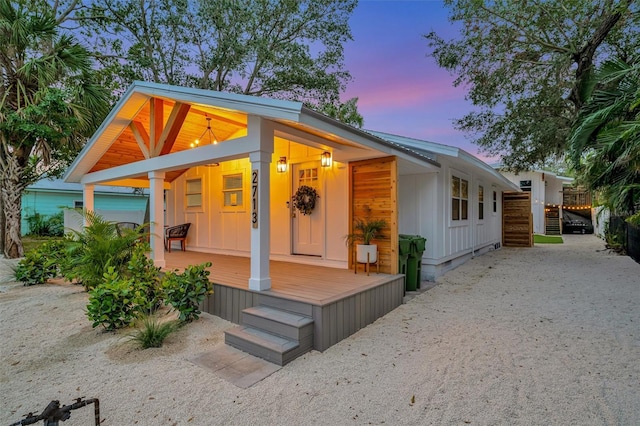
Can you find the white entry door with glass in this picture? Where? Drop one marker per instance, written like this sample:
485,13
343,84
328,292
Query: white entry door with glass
308,229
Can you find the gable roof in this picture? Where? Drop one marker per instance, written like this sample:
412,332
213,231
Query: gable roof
127,134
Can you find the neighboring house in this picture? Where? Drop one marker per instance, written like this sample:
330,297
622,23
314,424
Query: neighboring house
235,188
546,190
51,196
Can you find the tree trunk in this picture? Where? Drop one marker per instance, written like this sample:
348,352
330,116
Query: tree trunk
2,227
12,189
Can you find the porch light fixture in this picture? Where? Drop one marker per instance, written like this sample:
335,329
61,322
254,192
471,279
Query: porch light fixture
282,165
212,137
325,159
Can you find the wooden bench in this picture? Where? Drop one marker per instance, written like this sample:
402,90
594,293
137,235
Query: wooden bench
176,233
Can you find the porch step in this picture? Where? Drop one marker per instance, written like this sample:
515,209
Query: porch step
279,322
270,347
272,334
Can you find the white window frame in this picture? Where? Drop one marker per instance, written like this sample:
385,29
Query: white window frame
240,202
190,191
481,203
78,204
461,178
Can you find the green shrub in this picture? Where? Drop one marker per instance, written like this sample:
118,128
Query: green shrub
46,226
96,248
115,303
37,224
42,263
184,292
145,277
55,224
153,332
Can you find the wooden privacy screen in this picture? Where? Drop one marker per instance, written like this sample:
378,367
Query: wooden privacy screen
517,220
374,194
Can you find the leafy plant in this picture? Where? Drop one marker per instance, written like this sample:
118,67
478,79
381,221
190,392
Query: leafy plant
186,291
153,332
45,226
97,247
115,303
634,219
146,278
365,230
43,263
55,224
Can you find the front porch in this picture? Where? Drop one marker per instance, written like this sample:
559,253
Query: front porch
338,301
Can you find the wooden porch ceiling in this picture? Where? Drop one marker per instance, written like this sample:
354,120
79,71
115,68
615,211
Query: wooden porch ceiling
189,126
181,124
312,284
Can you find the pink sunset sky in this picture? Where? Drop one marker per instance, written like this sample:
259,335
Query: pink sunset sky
401,90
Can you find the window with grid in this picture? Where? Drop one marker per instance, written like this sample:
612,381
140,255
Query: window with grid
194,192
480,202
459,198
232,190
308,177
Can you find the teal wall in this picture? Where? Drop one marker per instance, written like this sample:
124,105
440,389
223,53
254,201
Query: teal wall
47,202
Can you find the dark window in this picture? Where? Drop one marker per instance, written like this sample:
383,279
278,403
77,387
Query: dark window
480,202
459,198
495,202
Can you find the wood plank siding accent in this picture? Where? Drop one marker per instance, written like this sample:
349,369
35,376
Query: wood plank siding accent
517,220
374,194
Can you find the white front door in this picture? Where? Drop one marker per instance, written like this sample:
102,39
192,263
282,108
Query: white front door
308,230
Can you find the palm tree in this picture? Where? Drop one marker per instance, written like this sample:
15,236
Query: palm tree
605,142
49,104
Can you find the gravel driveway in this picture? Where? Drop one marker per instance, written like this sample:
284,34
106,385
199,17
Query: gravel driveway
547,335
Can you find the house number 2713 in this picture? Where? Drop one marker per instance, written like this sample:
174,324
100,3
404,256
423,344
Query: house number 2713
254,198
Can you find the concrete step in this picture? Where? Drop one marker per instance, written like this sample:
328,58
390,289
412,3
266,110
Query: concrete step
276,321
270,347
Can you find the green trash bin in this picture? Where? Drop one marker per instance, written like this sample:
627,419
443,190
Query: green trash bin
404,248
411,275
419,244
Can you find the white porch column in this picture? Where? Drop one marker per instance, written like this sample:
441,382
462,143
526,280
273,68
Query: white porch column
88,201
156,216
260,205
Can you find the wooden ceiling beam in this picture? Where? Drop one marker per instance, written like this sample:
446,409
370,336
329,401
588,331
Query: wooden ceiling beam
172,129
141,136
156,124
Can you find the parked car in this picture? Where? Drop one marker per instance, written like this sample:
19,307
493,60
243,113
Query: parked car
576,227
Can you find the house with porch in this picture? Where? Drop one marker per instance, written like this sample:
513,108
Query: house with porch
229,165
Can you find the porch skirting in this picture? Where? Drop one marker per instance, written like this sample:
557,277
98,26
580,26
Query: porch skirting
333,319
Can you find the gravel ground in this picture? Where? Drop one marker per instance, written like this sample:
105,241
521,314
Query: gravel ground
540,336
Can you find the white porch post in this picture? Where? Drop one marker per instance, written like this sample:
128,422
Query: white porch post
156,215
260,205
88,201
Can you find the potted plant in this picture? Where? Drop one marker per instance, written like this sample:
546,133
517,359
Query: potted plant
364,231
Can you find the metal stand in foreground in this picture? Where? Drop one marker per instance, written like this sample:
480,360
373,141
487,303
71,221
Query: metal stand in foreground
54,413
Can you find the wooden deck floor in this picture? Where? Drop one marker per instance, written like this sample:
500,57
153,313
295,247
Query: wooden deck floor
311,284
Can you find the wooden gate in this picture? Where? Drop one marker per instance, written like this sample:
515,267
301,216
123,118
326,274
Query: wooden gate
517,219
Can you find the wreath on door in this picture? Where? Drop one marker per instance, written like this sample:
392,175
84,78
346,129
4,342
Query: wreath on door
305,199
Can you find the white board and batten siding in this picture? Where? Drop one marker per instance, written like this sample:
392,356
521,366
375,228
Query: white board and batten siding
425,209
226,229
